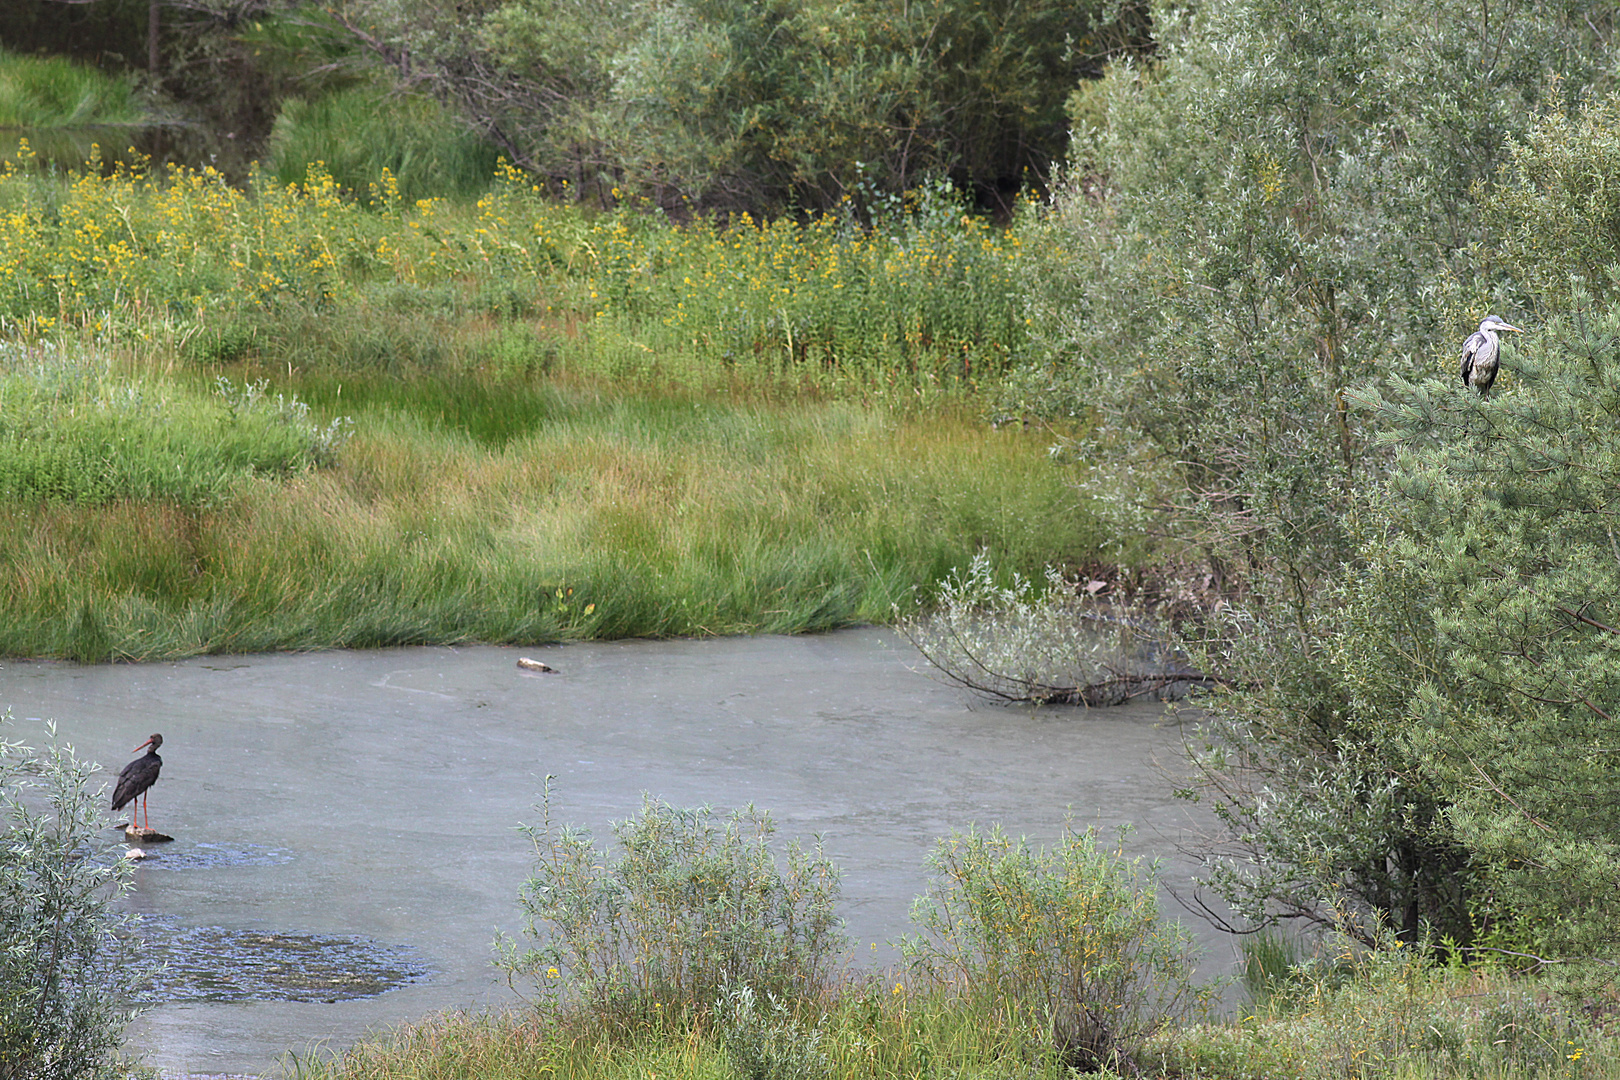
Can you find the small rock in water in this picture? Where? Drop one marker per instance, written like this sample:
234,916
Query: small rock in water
534,665
134,853
145,836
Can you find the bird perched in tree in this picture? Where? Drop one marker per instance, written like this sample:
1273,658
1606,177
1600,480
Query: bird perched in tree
1481,354
137,776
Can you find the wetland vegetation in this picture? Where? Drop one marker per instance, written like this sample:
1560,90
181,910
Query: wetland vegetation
283,418
725,347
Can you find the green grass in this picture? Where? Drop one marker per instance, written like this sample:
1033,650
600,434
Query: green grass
1471,1029
360,131
459,511
867,1031
39,93
566,424
73,430
64,109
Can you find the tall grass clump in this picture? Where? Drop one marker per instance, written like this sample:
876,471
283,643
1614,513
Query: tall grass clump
67,958
1064,948
361,132
73,430
691,908
39,93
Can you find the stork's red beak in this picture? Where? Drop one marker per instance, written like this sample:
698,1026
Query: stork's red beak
141,747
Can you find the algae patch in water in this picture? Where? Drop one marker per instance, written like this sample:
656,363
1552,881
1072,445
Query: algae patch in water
212,963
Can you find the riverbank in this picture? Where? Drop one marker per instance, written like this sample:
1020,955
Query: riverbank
296,418
601,516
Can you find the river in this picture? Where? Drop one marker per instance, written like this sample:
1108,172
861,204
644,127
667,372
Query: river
345,822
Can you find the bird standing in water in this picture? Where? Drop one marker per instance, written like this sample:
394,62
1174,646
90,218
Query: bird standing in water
137,776
1481,354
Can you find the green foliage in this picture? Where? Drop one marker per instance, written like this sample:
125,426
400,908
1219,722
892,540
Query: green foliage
759,106
763,1042
1231,253
359,132
690,908
1065,945
1554,215
1275,215
67,958
73,431
1324,823
1499,519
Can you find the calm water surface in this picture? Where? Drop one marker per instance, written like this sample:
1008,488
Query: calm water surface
345,848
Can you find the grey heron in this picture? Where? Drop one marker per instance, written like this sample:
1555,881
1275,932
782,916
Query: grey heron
1481,354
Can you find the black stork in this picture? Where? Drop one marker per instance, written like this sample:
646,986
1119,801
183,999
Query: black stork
137,776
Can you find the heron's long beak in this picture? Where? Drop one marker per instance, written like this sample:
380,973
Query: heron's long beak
1505,326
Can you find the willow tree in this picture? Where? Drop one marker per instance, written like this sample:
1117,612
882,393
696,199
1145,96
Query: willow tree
1271,221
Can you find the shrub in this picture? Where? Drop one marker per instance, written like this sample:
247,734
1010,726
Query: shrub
1499,687
1060,646
690,907
65,961
764,1043
1228,265
1064,945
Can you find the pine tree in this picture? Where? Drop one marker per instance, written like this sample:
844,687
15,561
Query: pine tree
1506,697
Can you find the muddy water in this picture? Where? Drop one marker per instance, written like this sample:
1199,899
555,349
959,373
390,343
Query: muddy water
345,847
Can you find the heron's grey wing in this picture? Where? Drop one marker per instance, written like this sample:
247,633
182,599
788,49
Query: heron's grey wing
1471,349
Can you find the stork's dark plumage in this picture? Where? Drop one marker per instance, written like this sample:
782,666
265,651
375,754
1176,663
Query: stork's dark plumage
137,776
1481,354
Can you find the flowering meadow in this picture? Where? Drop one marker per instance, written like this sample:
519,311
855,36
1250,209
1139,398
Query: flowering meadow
297,416
923,297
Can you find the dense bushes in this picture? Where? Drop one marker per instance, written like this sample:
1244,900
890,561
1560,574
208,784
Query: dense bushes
1062,953
758,106
1280,216
1065,945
